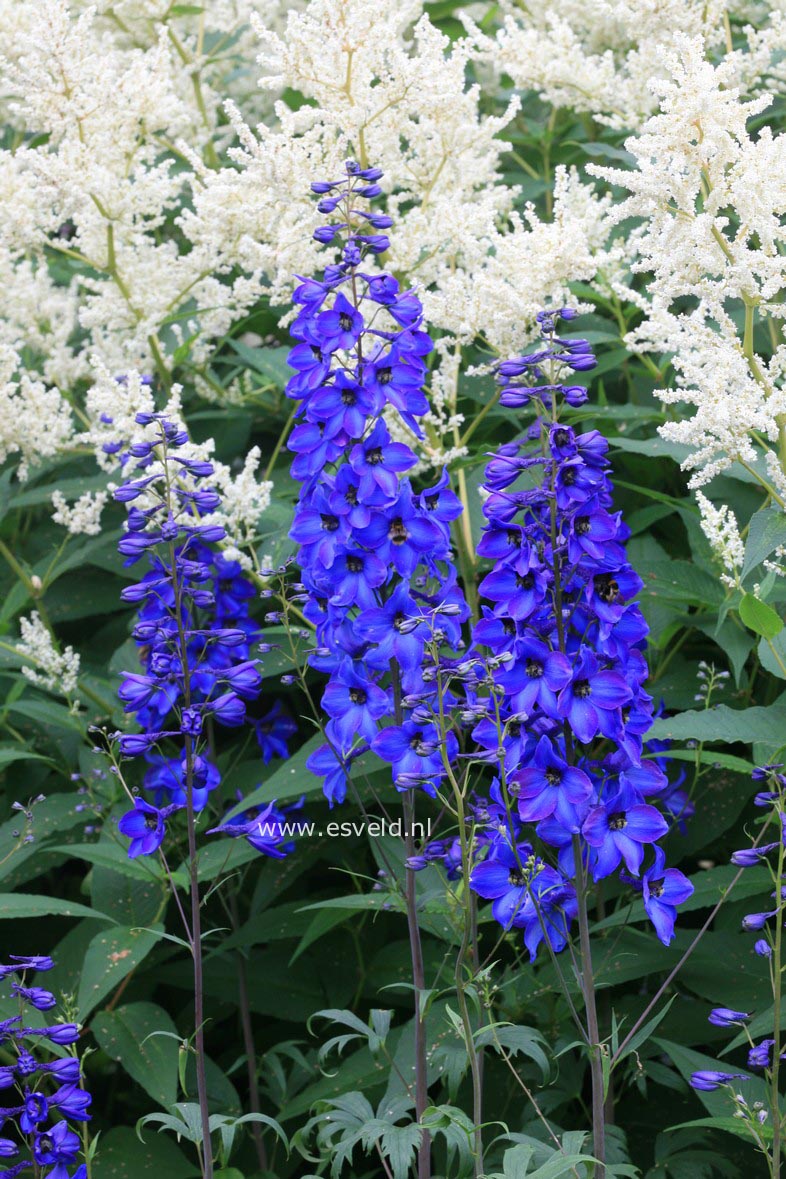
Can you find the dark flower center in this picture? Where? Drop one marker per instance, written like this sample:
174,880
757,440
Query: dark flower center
514,729
534,669
351,496
618,821
385,376
569,476
44,1142
582,526
516,878
561,437
606,588
508,626
656,888
582,689
316,352
355,564
348,397
329,523
432,502
525,582
374,455
398,620
513,538
345,321
552,776
416,741
151,822
397,531
357,696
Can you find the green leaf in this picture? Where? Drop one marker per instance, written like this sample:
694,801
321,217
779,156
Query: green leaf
290,780
760,723
110,957
18,905
270,362
759,617
733,1125
718,1102
11,753
766,532
121,1155
151,1060
711,757
46,712
108,854
772,655
680,582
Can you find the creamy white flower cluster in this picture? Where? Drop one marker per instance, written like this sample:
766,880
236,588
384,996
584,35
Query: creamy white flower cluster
48,667
710,199
134,167
601,58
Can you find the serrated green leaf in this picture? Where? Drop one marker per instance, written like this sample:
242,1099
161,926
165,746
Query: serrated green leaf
722,723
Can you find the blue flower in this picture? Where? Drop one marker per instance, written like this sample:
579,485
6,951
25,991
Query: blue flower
617,829
144,826
706,1080
549,786
663,890
354,704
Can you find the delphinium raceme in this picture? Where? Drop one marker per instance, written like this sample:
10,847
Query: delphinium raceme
195,636
378,582
43,1107
565,718
767,856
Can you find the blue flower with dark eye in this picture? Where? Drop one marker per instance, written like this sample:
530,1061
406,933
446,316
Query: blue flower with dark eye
355,575
618,829
503,878
144,826
35,1110
340,327
591,691
354,704
402,537
344,406
663,890
536,677
378,461
415,750
549,786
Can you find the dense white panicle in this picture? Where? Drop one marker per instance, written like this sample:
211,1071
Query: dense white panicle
35,421
710,199
719,525
602,57
82,517
50,668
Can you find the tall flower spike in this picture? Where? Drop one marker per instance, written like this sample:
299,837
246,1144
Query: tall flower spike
43,1097
375,555
193,630
565,634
